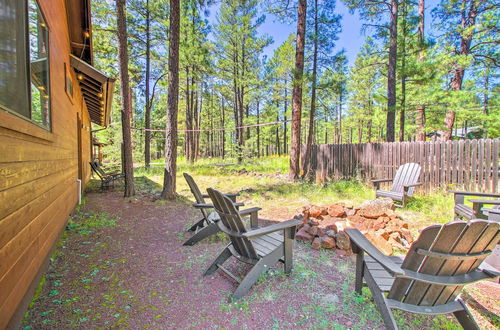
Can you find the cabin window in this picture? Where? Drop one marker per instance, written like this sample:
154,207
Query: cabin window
24,61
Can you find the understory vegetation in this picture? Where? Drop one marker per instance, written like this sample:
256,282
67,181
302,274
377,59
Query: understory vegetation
263,182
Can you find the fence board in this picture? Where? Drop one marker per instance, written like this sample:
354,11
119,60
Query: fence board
470,164
480,163
488,171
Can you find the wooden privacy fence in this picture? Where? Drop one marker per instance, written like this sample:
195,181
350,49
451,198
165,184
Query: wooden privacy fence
464,164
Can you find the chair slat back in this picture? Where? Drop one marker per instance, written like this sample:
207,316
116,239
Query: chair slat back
232,223
98,170
440,251
194,189
406,174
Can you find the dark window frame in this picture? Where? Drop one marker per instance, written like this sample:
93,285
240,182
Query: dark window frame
47,127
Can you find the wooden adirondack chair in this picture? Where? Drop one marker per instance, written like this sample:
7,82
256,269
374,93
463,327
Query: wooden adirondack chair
431,276
260,247
403,184
467,212
106,178
207,225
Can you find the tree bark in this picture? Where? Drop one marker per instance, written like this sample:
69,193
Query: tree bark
421,39
285,146
486,100
312,111
169,180
147,115
189,119
403,78
223,132
297,91
278,143
340,117
258,128
125,98
391,74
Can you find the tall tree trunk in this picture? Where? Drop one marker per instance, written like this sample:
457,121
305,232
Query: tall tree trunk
196,107
285,146
421,53
468,20
223,132
391,74
297,91
169,179
258,128
486,100
278,143
340,117
369,130
403,77
147,115
126,98
312,112
360,131
189,119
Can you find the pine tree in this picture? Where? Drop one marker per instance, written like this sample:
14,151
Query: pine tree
471,32
169,178
324,25
125,98
238,48
297,90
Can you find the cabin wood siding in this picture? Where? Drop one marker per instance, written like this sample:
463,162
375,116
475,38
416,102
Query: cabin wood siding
39,172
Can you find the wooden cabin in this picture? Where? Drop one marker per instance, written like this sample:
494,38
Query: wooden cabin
50,96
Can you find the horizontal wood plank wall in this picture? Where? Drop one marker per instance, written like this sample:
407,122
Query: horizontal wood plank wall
38,172
465,164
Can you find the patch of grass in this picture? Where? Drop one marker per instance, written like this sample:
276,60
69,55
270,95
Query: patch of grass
437,207
38,291
84,223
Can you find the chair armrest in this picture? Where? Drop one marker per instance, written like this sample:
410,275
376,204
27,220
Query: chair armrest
485,201
272,228
478,194
203,206
381,180
250,210
230,196
413,185
364,244
462,279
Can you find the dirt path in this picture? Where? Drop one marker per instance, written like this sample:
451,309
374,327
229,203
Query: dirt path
136,274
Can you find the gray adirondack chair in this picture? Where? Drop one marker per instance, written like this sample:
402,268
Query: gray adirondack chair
207,225
431,276
106,178
463,211
260,247
403,184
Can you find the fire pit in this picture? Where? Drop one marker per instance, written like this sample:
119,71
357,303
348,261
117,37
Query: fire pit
323,226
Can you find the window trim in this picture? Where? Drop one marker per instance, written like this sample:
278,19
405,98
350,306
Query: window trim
18,123
4,121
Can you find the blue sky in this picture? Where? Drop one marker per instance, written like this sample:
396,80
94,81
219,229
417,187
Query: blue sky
351,38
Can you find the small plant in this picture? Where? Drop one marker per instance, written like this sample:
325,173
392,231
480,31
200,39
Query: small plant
84,223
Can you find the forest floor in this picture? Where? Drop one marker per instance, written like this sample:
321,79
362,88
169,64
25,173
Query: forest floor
263,182
121,263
